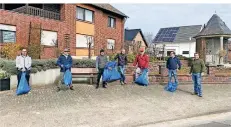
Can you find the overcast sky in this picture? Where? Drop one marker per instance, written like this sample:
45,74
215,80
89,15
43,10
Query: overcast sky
152,17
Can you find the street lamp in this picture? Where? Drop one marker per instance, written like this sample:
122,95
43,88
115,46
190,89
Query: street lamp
89,44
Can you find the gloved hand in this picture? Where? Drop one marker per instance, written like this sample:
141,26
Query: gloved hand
202,74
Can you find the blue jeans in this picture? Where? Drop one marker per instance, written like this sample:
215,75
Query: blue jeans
196,77
122,73
172,73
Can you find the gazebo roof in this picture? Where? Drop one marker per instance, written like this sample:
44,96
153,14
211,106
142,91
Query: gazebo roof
214,27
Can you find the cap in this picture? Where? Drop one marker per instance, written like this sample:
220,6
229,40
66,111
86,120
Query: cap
66,50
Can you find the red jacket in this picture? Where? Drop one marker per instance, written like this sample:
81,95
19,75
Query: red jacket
142,61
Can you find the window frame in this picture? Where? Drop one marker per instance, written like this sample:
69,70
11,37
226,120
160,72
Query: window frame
1,36
84,15
92,46
56,44
113,45
109,22
185,53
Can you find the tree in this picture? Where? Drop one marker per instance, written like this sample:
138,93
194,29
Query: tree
149,37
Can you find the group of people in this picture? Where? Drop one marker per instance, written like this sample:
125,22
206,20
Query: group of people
141,62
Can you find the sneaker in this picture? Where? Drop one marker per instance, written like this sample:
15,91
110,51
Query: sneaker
105,86
194,93
122,83
71,88
199,95
97,86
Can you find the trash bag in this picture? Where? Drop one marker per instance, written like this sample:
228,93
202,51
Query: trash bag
110,75
23,86
171,87
142,79
67,78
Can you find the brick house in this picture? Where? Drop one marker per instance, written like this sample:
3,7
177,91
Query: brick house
134,39
63,25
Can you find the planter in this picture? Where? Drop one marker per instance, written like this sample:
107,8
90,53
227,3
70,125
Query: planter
4,84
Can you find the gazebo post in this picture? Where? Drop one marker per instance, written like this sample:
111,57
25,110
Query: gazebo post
221,48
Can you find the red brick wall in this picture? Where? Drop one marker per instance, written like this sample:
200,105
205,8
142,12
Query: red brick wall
65,26
212,78
103,32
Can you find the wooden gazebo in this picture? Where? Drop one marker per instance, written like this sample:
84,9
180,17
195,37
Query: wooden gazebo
212,39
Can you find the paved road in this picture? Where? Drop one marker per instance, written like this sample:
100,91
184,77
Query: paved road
117,106
214,120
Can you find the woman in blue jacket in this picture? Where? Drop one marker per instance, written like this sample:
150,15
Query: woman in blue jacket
65,63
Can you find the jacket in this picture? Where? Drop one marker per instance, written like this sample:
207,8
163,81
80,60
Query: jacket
172,63
101,61
197,66
142,61
65,61
122,59
23,62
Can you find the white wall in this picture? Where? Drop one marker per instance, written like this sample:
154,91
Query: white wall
179,48
38,79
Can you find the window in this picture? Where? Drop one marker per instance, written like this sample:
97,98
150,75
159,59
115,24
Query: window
185,52
7,33
82,41
49,38
84,14
110,44
111,22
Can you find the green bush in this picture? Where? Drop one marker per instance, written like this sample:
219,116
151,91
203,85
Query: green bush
152,59
111,57
131,58
84,63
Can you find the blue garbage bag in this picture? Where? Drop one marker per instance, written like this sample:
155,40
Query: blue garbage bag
67,78
142,79
171,87
23,86
112,74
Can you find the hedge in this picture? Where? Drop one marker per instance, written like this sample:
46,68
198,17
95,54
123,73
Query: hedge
43,65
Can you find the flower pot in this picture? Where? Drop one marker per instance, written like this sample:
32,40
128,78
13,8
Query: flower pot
4,84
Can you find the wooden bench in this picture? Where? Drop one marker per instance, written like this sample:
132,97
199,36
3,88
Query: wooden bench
84,73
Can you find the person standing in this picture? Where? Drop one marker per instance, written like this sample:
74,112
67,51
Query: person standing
142,62
173,63
64,62
23,64
197,70
101,61
122,62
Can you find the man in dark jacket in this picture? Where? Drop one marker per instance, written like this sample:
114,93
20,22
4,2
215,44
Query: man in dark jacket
65,63
101,61
173,63
197,70
122,62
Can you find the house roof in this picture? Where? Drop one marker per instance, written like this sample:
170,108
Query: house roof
110,8
177,34
130,35
215,26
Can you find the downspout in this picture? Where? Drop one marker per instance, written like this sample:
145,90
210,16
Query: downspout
123,31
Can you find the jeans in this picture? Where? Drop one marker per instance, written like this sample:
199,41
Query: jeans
172,73
196,77
19,74
121,71
100,73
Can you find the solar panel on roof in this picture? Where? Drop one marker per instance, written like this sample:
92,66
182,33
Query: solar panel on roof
166,34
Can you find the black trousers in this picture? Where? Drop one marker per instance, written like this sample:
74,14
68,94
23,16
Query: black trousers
100,73
27,76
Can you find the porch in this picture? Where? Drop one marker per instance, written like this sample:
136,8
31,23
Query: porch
51,11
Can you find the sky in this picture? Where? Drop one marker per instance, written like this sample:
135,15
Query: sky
152,17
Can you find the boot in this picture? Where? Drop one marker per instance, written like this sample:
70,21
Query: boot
97,86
